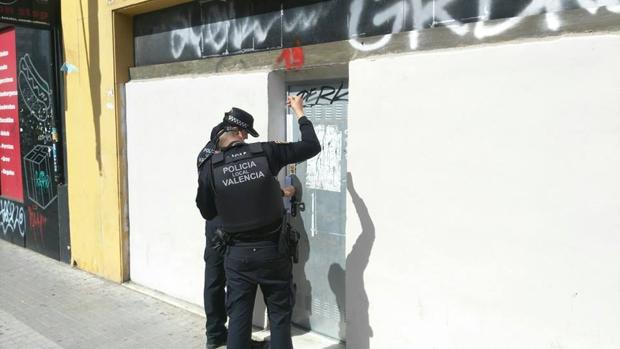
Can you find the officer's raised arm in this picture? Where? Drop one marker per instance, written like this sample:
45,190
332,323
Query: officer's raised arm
302,150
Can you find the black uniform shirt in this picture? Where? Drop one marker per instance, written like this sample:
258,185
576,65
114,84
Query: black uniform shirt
278,155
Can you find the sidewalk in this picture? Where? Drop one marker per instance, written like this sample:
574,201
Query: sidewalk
48,304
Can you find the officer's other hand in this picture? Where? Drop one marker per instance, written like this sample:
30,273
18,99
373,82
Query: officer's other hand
288,191
297,103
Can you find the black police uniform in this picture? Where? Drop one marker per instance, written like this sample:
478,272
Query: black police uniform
214,292
239,185
215,279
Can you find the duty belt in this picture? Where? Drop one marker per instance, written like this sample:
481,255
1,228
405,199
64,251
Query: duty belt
223,239
286,237
254,237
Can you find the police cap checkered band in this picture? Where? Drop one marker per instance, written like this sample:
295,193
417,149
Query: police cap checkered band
233,120
241,118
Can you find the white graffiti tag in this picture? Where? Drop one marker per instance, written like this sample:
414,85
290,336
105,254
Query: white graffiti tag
34,90
182,38
304,20
244,28
364,17
12,217
215,35
220,34
357,7
434,13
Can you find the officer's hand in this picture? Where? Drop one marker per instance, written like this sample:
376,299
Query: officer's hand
297,103
288,191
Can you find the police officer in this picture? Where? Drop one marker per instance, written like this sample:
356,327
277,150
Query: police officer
239,185
215,279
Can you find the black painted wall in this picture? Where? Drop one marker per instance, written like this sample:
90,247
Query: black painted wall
216,28
38,148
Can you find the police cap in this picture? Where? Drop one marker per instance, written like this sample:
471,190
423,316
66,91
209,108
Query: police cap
242,119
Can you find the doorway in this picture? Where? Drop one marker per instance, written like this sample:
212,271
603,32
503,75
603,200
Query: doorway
320,274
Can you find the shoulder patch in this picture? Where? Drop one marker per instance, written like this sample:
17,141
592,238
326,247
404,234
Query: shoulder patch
205,154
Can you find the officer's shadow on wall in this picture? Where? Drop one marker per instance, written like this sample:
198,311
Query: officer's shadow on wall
358,322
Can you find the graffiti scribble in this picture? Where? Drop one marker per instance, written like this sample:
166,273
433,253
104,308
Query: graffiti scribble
42,180
34,90
12,218
36,223
293,58
363,26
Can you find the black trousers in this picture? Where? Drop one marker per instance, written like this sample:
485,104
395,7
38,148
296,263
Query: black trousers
214,294
247,266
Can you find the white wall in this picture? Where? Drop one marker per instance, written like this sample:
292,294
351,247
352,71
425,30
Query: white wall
495,205
168,123
496,199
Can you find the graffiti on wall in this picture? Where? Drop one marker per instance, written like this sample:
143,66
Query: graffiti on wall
34,90
37,170
36,224
440,13
324,94
198,30
37,116
12,218
293,58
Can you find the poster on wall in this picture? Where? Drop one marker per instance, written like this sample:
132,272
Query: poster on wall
12,214
10,160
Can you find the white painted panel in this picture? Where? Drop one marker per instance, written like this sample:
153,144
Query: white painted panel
168,122
491,180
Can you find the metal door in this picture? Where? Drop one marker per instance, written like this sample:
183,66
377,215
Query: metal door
320,274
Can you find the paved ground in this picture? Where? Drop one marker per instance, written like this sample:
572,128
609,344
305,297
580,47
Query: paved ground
48,304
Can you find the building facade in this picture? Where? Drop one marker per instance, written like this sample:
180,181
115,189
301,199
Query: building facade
467,191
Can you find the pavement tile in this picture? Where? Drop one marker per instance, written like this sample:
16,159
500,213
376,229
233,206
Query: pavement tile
48,304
